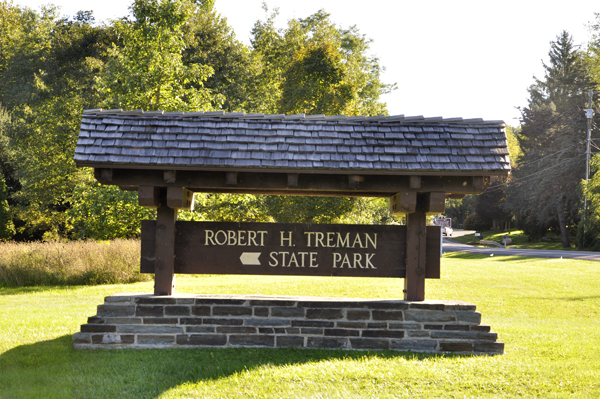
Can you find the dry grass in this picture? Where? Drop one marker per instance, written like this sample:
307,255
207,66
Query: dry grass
71,263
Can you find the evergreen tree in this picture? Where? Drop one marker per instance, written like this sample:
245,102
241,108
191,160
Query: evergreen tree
544,192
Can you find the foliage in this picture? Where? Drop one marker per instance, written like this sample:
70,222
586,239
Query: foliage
226,208
147,71
489,205
312,60
210,41
459,209
513,144
7,227
73,263
475,222
315,83
544,191
369,211
105,212
303,209
589,237
174,55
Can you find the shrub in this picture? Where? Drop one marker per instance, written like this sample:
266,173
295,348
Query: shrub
71,263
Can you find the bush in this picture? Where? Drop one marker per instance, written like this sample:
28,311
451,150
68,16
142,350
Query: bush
477,223
72,263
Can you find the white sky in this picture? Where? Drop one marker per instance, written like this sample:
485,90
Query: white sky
450,58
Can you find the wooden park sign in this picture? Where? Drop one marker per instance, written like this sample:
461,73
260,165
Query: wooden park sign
289,249
416,162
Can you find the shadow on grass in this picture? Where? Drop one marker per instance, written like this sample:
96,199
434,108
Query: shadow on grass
55,369
496,257
35,289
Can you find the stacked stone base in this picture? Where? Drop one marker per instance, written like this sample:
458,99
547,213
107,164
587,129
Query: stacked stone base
189,321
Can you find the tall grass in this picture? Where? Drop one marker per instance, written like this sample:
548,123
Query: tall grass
71,263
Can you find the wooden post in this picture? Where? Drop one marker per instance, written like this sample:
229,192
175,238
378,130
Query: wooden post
165,249
416,239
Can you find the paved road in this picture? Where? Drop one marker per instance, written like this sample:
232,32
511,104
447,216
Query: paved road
450,245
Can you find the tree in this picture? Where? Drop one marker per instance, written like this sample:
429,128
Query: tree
312,58
105,212
589,235
544,192
210,41
315,67
460,209
47,80
315,83
146,69
7,227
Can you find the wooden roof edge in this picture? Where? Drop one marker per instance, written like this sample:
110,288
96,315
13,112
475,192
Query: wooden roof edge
297,117
366,172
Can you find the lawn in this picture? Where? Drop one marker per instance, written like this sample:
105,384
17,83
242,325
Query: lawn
547,312
519,240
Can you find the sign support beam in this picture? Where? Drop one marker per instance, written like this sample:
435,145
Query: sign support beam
416,240
165,248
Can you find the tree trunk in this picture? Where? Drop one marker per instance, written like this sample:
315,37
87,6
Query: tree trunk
560,210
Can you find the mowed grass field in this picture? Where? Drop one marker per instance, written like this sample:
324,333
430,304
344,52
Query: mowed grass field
547,312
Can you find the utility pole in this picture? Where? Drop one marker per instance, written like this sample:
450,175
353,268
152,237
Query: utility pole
589,114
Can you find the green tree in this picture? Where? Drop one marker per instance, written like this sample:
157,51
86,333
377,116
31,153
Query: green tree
146,68
589,230
315,67
47,80
311,58
304,209
460,209
211,41
544,193
7,227
227,208
315,83
105,212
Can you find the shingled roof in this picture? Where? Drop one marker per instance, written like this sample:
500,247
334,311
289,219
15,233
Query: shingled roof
338,144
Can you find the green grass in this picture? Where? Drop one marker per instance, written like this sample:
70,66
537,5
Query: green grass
547,312
519,240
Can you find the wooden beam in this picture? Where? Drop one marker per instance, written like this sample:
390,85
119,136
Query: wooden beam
355,180
180,198
415,182
165,251
435,202
277,183
416,243
292,179
170,176
231,178
103,175
403,203
149,196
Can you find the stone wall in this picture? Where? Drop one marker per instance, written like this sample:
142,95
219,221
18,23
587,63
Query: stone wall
146,321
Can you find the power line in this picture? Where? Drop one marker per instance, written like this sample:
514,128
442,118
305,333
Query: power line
549,155
499,186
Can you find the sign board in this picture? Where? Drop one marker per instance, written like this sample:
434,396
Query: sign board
289,249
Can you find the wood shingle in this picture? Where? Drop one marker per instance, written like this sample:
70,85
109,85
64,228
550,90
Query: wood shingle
215,140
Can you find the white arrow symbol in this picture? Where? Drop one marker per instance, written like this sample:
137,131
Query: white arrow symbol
250,258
